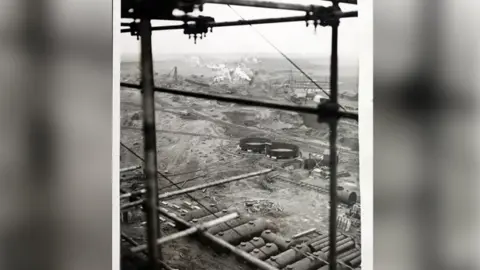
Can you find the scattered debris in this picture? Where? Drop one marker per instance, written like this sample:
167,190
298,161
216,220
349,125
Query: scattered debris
262,207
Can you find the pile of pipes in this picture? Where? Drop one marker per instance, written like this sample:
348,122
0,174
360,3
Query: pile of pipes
256,237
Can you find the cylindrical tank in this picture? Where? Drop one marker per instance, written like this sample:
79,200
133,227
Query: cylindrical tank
349,244
263,253
346,196
349,255
281,150
289,256
202,212
338,244
339,267
355,262
270,237
320,238
256,242
253,144
230,224
308,263
243,232
324,243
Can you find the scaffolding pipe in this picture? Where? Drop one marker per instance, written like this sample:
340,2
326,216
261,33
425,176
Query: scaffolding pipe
245,102
150,147
141,191
134,243
224,244
333,144
270,4
194,188
340,14
129,169
189,231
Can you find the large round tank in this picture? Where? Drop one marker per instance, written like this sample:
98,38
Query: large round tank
254,144
279,150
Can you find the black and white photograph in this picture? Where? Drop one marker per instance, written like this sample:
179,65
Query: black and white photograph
239,135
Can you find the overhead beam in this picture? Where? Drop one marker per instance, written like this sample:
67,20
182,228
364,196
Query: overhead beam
349,14
272,4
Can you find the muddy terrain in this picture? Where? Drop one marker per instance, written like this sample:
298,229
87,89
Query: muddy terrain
197,142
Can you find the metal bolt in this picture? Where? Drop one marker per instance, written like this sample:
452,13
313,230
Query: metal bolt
268,231
256,250
288,241
273,258
224,210
243,244
251,222
256,239
194,220
268,245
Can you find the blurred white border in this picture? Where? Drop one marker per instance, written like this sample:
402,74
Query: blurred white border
116,137
365,128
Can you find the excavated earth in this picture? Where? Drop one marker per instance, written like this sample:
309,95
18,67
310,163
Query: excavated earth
199,139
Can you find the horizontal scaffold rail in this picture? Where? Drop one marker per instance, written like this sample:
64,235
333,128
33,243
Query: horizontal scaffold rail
349,14
203,186
272,4
247,102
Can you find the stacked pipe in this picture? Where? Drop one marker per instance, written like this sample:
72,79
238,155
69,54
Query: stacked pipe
253,236
246,231
270,237
240,220
289,256
249,246
324,242
310,262
265,252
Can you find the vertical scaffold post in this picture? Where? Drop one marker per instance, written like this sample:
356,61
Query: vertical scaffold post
333,142
150,147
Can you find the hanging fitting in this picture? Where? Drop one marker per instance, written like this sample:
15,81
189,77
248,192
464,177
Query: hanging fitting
328,111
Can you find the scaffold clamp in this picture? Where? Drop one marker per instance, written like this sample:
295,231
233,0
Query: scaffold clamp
328,111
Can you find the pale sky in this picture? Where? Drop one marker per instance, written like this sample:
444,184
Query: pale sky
290,38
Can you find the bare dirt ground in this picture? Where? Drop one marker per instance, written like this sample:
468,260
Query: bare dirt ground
200,137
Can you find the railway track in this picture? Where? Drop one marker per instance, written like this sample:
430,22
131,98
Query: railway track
305,251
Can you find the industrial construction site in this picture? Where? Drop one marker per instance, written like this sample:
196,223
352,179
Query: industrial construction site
281,158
